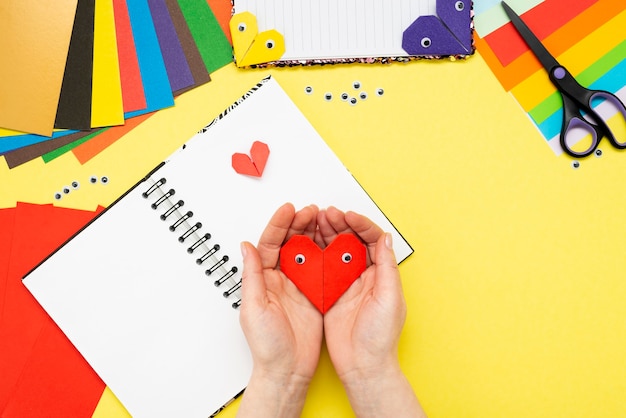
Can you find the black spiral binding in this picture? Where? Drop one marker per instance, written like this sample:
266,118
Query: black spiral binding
189,231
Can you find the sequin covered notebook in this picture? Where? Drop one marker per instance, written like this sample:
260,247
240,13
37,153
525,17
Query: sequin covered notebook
148,292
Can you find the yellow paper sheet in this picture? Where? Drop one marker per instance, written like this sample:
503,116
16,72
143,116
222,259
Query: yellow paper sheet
110,407
106,104
516,287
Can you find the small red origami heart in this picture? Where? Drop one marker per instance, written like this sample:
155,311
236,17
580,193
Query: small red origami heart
253,164
323,275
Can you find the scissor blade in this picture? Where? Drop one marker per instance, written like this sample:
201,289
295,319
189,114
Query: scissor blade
540,51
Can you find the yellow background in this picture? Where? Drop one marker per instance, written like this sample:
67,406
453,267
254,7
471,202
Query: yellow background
516,293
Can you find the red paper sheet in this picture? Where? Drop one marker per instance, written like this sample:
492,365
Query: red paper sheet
132,84
27,332
7,221
543,20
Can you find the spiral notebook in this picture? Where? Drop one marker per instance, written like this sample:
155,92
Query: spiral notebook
149,291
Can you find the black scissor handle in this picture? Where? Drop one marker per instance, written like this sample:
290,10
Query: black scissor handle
573,120
616,103
578,113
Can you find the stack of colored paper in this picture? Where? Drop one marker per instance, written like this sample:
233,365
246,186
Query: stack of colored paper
586,36
74,69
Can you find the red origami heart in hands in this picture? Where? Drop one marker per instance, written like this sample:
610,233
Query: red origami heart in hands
323,275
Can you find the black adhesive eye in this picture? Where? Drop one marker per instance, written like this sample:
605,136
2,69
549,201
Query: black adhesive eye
380,92
346,257
58,196
575,164
104,180
66,190
242,27
345,97
353,101
308,89
598,153
459,6
328,97
300,258
356,85
363,95
270,44
426,42
75,185
93,179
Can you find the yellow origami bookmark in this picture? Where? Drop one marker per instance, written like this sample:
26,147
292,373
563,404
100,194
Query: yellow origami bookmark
251,47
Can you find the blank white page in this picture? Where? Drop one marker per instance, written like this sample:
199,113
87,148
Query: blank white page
336,29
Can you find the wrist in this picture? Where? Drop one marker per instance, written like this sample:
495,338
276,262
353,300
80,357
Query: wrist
381,391
271,394
365,378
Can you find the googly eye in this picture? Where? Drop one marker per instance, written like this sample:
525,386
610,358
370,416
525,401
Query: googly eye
328,96
575,164
598,153
353,101
345,97
75,185
380,92
66,190
426,42
242,27
346,257
459,6
58,196
363,95
299,258
104,180
308,90
356,85
93,179
270,44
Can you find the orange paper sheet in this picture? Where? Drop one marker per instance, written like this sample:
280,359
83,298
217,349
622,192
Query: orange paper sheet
35,38
223,10
87,150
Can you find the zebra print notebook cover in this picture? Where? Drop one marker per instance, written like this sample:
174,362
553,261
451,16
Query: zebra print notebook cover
149,291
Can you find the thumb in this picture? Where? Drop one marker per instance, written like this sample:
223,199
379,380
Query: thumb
387,275
253,288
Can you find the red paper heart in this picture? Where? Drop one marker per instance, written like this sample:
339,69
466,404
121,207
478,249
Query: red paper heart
253,164
323,275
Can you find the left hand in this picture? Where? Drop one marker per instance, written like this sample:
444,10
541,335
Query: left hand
283,329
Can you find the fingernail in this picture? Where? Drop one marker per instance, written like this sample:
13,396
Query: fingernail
244,250
388,240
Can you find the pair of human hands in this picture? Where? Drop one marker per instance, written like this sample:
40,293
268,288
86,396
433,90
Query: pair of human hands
285,331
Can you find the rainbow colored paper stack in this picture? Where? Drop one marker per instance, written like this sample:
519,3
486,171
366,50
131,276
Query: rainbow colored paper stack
586,36
81,73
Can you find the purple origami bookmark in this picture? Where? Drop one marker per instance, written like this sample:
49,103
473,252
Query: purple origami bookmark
448,33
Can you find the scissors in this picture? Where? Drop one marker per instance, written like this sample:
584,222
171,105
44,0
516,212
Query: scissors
578,112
